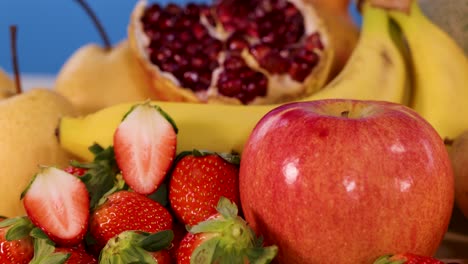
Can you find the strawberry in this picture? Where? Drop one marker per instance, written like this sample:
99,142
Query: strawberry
224,238
16,246
138,247
198,180
125,210
77,255
75,170
407,258
145,146
58,203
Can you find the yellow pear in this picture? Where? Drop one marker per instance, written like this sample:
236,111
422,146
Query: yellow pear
7,85
28,123
95,77
27,140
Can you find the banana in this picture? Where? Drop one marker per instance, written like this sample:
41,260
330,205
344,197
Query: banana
375,71
440,71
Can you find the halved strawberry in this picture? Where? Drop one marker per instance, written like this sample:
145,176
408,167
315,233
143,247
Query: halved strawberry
407,258
198,180
58,203
224,238
16,246
145,146
124,211
138,247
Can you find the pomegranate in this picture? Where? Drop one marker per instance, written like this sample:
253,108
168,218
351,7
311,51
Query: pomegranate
243,52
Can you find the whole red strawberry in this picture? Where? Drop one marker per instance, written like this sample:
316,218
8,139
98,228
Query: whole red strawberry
138,247
16,246
224,238
75,170
407,258
77,256
197,182
126,210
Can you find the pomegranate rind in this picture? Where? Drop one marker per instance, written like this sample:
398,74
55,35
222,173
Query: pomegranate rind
281,88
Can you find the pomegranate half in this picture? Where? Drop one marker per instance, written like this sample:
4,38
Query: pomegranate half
238,52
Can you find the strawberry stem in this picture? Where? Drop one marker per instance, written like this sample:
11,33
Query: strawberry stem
97,23
14,56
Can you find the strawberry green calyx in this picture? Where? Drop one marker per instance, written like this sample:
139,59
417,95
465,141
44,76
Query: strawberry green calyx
135,247
229,239
44,250
387,259
18,227
159,109
101,173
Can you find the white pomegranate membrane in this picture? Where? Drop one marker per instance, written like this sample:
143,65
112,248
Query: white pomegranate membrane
232,45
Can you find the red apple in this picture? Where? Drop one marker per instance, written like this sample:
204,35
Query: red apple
345,181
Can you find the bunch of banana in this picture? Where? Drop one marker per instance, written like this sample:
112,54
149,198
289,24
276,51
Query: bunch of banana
439,69
377,70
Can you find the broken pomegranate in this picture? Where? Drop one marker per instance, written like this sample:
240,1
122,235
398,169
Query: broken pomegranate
233,51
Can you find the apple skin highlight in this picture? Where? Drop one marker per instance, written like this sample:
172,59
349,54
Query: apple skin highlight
344,181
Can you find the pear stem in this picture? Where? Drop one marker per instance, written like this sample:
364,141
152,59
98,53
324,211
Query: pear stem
97,23
14,57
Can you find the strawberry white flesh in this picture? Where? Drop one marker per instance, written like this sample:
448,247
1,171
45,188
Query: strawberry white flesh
145,146
58,203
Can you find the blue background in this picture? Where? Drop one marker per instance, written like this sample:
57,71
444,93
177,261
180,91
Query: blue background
49,31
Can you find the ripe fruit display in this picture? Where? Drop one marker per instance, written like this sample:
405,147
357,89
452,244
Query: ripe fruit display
459,156
7,85
95,77
28,122
345,181
247,52
212,121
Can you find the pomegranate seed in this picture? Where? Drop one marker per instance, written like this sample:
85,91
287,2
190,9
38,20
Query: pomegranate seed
313,41
190,78
237,42
300,70
274,63
173,9
234,63
197,62
151,14
259,51
307,56
199,31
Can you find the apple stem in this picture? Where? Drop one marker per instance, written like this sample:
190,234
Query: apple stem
14,57
345,114
448,141
97,23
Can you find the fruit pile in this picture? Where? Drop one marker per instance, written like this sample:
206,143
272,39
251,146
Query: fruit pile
354,171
